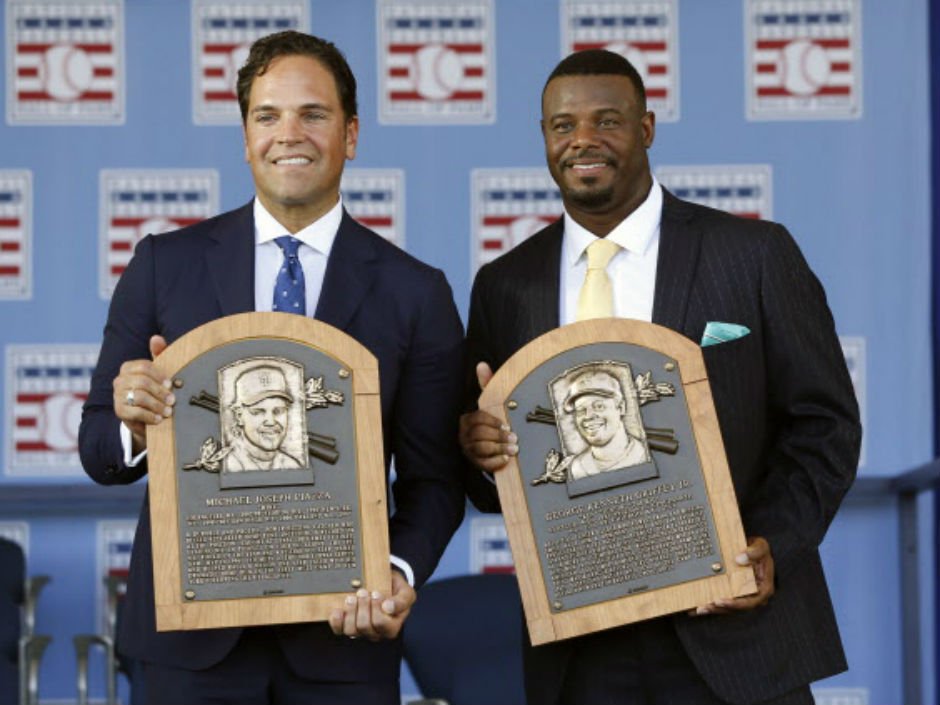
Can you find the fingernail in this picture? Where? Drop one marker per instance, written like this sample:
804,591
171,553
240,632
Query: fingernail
512,438
701,610
362,592
388,607
512,449
722,603
166,383
742,559
157,418
504,427
376,595
171,399
350,600
167,411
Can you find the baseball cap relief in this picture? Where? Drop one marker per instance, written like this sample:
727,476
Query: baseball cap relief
600,384
261,383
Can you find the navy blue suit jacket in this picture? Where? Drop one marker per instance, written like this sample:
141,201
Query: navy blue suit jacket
785,404
397,307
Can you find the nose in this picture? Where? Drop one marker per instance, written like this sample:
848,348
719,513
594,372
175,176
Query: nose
584,135
290,131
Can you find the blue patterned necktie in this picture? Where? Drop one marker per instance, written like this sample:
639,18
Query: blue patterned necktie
290,292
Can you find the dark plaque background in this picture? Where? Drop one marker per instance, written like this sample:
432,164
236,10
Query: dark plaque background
267,540
624,540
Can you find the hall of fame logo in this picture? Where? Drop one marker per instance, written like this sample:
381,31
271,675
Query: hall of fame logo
376,198
489,546
135,203
745,190
803,59
65,62
644,31
223,32
114,541
16,234
18,533
436,61
509,205
853,348
46,386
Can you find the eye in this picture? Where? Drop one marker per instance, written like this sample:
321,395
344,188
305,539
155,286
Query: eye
609,123
563,126
264,118
314,116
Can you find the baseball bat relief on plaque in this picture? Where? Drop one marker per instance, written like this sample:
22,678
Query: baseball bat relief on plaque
619,506
267,484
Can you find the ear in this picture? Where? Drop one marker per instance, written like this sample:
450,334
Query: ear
352,136
648,126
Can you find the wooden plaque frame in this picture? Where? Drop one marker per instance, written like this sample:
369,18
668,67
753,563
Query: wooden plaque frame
173,611
544,625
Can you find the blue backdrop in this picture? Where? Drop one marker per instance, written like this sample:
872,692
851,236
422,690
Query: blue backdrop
840,154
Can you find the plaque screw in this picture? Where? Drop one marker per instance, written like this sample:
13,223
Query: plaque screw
356,583
716,567
343,373
557,605
512,404
190,594
670,366
178,382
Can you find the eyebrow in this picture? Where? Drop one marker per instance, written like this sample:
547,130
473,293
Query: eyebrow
265,107
599,111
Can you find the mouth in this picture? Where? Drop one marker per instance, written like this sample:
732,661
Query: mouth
592,427
293,161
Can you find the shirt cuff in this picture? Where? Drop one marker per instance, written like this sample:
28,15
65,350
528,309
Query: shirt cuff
127,443
404,568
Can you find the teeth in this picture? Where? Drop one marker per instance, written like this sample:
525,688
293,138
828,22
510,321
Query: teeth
294,160
587,166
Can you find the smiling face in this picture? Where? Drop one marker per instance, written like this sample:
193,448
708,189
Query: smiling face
598,418
265,423
297,139
596,136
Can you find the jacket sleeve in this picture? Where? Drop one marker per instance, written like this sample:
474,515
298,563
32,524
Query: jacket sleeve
131,323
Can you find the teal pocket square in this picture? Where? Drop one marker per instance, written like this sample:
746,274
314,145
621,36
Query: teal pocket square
716,332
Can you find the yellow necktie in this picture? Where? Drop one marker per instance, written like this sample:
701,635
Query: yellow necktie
597,296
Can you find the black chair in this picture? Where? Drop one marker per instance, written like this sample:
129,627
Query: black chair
463,641
21,649
116,586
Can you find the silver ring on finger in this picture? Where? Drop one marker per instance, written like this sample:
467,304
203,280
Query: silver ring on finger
353,636
129,399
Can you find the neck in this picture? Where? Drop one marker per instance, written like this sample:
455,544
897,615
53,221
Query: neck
601,220
297,217
606,455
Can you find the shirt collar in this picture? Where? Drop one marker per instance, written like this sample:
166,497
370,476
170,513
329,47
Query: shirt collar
633,233
319,234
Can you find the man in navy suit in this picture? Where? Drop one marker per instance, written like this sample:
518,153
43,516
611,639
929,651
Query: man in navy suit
298,102
784,399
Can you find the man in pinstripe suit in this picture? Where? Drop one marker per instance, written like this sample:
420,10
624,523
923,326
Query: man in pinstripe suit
784,399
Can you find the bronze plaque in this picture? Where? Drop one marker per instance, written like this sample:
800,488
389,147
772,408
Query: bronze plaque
619,506
267,493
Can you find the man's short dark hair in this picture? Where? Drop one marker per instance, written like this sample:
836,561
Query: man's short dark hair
291,43
599,62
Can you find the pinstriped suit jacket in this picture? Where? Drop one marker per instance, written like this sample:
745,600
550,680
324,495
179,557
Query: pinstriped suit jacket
785,404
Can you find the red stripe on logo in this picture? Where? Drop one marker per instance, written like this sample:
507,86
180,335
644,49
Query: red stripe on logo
473,71
9,247
101,71
26,423
649,46
834,90
211,72
582,46
94,48
219,95
657,69
492,244
219,48
122,246
31,398
398,72
33,95
26,71
9,222
840,66
656,92
458,48
641,46
375,221
499,219
117,269
9,271
32,48
755,216
499,569
31,446
766,68
96,95
457,95
833,43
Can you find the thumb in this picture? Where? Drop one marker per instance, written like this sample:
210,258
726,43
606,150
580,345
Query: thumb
157,345
484,374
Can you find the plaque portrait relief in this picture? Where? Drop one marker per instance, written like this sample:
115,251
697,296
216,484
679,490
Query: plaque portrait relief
262,416
596,411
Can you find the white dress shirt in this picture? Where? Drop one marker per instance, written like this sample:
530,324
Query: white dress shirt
632,269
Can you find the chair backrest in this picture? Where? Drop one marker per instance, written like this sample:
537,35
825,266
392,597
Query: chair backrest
12,595
463,640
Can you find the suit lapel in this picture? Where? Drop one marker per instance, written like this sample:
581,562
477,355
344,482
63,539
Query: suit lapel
231,261
349,274
679,245
540,285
